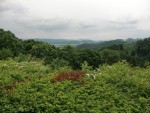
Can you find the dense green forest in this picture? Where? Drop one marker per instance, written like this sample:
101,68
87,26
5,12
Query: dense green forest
136,54
38,77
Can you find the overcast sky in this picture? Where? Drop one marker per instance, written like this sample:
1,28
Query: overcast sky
76,19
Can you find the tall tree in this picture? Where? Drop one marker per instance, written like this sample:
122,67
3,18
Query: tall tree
9,41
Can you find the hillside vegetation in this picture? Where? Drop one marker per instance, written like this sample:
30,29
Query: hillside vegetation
36,77
137,54
104,44
28,87
98,45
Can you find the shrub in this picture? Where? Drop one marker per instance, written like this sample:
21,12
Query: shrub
74,76
5,53
23,57
57,63
85,66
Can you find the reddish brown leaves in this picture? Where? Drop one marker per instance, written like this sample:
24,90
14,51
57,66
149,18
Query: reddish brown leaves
74,76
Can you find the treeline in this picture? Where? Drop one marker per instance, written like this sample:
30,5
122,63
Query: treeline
137,54
97,45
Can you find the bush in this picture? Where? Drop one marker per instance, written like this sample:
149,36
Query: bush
23,57
26,87
74,76
57,63
5,53
85,66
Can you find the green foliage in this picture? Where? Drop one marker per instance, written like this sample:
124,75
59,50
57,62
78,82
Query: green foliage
27,44
26,84
71,55
57,63
110,56
23,57
26,87
85,66
137,54
9,41
91,56
5,53
116,47
40,50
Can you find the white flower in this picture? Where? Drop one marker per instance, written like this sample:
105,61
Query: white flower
88,75
94,77
97,69
91,76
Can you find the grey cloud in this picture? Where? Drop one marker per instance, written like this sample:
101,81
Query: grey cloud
6,6
133,22
50,28
125,22
87,26
123,25
15,17
2,5
135,33
54,26
51,25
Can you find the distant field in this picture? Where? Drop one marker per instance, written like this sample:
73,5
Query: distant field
62,45
62,42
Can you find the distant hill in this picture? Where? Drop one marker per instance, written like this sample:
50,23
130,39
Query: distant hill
85,43
64,41
131,40
101,44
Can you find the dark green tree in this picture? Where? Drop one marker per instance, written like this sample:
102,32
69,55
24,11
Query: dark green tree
71,55
5,53
110,56
9,41
93,57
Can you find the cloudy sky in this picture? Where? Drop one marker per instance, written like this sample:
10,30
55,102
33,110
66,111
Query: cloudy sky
76,19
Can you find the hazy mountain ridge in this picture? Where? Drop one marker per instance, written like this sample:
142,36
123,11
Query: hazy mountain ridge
86,43
64,41
107,43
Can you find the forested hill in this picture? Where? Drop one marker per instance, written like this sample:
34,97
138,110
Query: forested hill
137,54
98,45
85,43
36,77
